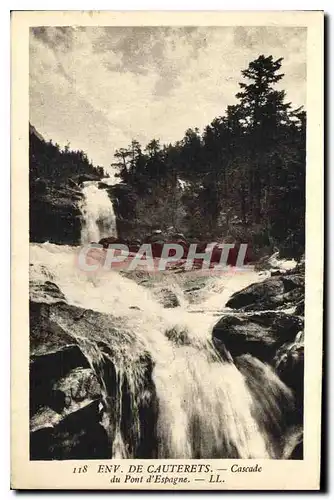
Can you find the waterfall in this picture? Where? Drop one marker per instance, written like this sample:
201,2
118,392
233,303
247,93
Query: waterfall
208,407
98,214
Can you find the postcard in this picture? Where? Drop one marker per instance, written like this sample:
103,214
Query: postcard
167,250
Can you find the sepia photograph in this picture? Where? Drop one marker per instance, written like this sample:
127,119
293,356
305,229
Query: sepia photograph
167,225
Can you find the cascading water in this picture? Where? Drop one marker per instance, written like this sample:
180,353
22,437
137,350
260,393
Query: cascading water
98,214
207,407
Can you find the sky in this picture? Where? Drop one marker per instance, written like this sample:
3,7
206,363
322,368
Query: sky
97,88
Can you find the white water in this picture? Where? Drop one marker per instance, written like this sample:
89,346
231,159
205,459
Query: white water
98,213
207,407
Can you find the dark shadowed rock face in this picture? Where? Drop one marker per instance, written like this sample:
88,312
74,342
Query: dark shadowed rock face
55,214
289,365
80,394
272,293
167,298
79,434
258,334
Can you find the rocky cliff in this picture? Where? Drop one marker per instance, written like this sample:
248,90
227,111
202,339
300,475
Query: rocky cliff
55,180
80,402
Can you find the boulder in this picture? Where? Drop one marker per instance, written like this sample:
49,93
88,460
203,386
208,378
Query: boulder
167,298
272,293
264,295
78,436
258,334
276,272
82,364
273,402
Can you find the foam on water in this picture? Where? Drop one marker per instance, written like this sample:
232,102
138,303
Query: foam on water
208,408
205,406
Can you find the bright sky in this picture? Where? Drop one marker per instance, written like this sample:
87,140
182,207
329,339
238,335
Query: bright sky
97,88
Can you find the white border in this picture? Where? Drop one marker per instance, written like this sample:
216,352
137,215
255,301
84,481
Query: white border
5,120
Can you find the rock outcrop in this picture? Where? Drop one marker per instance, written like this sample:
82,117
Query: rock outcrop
55,214
289,365
276,292
82,364
259,334
56,177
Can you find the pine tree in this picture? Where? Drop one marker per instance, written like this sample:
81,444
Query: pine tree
264,109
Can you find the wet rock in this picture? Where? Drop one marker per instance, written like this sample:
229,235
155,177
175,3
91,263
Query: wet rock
78,386
82,370
157,248
224,354
292,297
258,334
46,291
300,308
272,293
276,272
167,298
289,365
47,336
259,296
179,337
79,435
73,184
